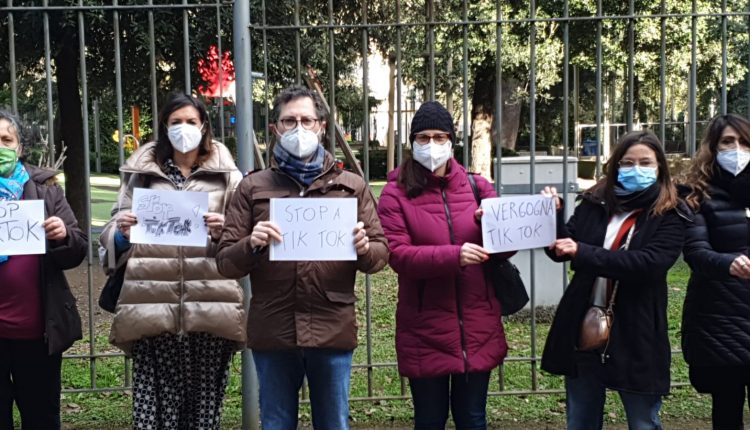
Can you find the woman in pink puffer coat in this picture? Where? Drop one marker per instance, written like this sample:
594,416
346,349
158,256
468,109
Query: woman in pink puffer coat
449,333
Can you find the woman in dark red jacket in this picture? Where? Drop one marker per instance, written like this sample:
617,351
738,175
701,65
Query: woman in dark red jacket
38,315
449,334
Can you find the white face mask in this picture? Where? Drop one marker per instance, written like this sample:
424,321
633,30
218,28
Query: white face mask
432,155
300,142
184,137
733,160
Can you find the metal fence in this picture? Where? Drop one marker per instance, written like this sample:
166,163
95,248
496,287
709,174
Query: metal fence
606,64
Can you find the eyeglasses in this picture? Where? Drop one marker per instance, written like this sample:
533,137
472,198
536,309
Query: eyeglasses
290,123
424,139
642,163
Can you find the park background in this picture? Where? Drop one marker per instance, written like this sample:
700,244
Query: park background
528,83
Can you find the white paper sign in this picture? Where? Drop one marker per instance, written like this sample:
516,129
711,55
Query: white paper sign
169,217
21,227
518,222
314,229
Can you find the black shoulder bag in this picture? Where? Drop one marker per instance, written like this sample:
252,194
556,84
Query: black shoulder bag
111,291
112,288
506,279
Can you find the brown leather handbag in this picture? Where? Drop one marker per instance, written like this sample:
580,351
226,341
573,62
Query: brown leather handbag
597,323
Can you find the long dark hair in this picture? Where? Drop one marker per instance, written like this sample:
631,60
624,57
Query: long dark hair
667,198
704,166
412,177
176,101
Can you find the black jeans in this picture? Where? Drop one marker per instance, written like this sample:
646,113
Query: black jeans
31,377
466,393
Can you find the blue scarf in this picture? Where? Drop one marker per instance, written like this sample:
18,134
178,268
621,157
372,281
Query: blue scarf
11,188
303,171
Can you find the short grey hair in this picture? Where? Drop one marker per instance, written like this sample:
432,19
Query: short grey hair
16,123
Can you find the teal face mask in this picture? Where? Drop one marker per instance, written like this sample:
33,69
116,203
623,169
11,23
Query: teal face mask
8,160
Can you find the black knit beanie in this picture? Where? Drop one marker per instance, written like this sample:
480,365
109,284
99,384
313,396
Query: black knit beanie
432,116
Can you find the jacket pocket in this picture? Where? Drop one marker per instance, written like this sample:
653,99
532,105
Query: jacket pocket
341,297
261,203
270,194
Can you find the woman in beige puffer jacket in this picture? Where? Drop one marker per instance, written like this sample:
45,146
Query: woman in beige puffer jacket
178,318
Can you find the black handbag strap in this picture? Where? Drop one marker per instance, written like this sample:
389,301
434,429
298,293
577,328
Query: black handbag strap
475,189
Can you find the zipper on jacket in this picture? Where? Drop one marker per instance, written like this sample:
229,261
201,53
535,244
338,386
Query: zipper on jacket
420,294
459,308
180,331
43,277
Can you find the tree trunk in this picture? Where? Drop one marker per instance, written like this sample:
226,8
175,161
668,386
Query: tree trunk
511,113
481,120
71,120
390,137
483,116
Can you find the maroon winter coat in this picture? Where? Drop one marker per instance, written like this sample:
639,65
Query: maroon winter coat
447,319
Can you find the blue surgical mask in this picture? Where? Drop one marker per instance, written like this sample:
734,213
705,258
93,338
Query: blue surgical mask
636,178
733,160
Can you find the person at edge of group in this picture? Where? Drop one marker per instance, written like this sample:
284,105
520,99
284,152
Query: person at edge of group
38,315
716,315
449,332
302,318
176,316
599,241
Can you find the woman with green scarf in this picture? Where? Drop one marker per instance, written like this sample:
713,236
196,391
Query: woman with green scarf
38,315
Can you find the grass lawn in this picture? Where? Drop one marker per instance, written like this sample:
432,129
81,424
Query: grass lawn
112,410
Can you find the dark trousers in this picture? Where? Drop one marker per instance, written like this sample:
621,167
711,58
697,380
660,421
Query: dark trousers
726,407
727,386
31,377
466,394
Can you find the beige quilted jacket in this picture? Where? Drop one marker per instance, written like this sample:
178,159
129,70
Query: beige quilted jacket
174,289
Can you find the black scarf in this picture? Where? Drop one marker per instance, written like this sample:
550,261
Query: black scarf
738,186
643,199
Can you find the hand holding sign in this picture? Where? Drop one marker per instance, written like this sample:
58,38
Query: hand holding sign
124,221
214,222
552,192
565,247
472,253
263,233
361,241
55,229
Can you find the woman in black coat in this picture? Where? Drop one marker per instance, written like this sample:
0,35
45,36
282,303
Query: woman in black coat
716,316
637,203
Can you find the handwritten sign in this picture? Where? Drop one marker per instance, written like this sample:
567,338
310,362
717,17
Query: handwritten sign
518,222
21,227
314,229
169,217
